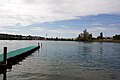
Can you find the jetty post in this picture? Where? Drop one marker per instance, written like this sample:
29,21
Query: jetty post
38,44
5,63
5,55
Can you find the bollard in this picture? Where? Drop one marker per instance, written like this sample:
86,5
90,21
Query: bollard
5,60
5,55
38,44
41,44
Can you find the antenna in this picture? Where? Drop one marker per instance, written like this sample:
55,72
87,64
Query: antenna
46,35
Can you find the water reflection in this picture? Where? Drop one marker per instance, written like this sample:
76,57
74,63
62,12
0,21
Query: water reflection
86,49
70,61
101,49
5,74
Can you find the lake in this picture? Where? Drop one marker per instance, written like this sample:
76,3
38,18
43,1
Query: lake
66,60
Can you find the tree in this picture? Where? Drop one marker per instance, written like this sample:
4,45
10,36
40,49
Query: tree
116,37
85,36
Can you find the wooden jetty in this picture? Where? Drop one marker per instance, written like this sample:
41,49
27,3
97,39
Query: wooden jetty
15,56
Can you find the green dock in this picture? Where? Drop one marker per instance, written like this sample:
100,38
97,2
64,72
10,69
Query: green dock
13,57
18,52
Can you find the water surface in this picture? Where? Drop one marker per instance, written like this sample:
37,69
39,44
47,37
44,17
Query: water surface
61,60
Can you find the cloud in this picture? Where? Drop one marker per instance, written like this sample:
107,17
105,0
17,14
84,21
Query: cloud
27,12
55,32
118,24
96,24
65,27
9,30
97,29
107,31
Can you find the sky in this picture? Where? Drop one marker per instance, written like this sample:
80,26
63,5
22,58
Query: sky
60,18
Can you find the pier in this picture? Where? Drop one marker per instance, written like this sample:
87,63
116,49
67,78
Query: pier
13,57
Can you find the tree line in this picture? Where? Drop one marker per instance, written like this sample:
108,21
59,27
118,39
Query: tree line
86,36
19,37
29,37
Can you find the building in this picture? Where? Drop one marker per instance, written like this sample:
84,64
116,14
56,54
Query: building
101,35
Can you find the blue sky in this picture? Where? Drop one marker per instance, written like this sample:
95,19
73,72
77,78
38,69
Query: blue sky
64,18
108,24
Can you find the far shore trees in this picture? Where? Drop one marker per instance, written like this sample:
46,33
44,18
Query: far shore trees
116,37
85,36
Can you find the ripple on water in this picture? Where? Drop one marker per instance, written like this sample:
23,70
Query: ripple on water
58,60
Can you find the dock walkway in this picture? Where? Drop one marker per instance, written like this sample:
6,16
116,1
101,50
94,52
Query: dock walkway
18,52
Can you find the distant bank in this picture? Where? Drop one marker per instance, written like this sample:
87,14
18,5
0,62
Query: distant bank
87,37
29,37
114,41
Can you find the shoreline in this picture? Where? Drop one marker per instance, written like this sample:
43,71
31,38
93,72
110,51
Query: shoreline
111,41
